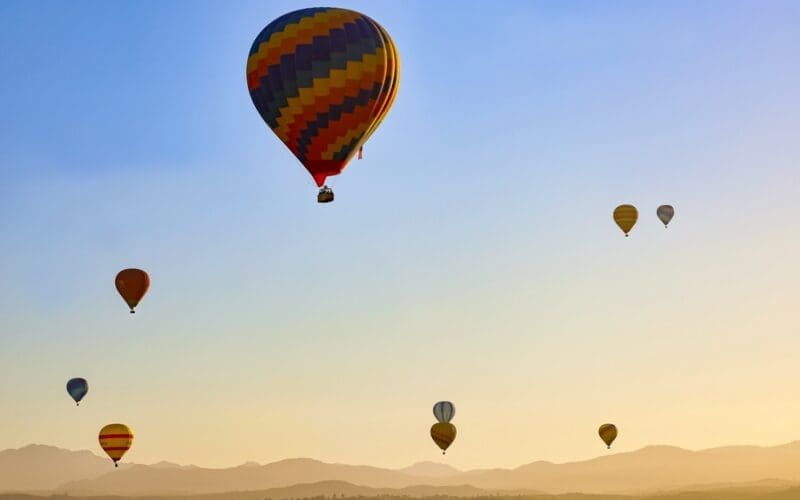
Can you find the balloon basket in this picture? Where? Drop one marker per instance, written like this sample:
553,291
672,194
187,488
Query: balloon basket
325,195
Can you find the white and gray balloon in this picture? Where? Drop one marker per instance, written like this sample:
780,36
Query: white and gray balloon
444,411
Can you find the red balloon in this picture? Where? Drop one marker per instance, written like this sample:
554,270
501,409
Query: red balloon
132,284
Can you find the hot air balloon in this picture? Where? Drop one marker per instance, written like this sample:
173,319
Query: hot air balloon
132,284
665,213
608,433
77,389
323,79
116,439
625,216
443,434
444,411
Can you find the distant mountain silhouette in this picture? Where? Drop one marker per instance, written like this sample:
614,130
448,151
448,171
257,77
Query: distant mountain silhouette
37,467
341,488
41,468
144,480
765,490
430,469
650,469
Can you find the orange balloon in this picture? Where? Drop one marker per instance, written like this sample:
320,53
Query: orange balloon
443,434
608,433
132,284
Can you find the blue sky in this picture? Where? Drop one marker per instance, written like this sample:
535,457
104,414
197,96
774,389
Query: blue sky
470,255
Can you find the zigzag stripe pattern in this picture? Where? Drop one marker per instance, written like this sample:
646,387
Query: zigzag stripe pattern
323,79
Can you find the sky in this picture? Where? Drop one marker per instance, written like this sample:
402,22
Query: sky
470,256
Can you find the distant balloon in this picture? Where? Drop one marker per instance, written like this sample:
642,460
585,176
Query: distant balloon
77,388
665,213
444,411
132,284
608,433
443,434
625,216
116,439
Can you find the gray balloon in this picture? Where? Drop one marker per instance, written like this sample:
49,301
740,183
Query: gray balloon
665,213
444,411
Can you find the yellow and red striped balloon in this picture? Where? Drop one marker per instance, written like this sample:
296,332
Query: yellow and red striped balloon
116,439
323,79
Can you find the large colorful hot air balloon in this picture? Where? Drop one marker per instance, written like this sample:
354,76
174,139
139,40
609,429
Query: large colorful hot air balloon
443,434
323,79
77,389
116,439
444,411
625,216
608,433
665,213
132,284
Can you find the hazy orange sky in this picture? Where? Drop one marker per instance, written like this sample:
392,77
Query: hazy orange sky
470,256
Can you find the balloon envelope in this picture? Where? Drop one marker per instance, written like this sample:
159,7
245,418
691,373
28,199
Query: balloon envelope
77,388
323,79
625,216
665,213
608,433
443,435
132,284
444,411
116,439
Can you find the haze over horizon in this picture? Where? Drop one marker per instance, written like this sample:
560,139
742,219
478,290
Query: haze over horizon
655,469
470,256
437,461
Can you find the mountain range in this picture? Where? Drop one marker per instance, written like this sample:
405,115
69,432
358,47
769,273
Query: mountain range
45,469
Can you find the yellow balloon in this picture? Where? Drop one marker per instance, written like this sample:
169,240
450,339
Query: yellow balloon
116,439
443,434
625,216
608,433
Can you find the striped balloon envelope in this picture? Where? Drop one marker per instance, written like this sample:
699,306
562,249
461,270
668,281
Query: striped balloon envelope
444,411
116,439
626,216
665,214
323,79
443,434
608,433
